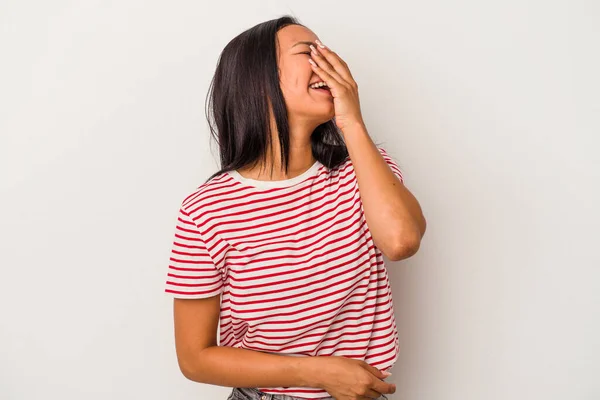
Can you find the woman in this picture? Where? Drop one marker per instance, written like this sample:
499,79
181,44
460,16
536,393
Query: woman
285,260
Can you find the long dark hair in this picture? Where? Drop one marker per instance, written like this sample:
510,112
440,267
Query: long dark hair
245,84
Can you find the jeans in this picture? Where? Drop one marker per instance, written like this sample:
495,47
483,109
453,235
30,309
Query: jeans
255,394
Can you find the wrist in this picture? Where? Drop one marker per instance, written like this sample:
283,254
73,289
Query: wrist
354,126
308,372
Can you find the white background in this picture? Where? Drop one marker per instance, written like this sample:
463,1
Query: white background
490,108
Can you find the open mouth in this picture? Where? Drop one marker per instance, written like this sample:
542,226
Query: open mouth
322,89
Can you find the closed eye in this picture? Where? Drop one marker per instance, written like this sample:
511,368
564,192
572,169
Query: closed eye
306,52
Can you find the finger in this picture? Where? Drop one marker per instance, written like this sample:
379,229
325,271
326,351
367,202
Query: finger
325,66
333,84
379,385
383,387
371,394
336,62
375,371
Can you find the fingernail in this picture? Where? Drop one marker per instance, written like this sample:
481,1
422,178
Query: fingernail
385,373
319,43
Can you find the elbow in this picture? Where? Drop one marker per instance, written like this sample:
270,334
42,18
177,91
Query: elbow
407,247
189,368
193,375
187,371
405,251
194,365
420,226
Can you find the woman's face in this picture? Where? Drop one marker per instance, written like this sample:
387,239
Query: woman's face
304,105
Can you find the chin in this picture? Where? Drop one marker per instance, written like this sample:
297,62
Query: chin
320,115
321,122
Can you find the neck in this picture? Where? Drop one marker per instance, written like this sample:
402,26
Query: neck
300,160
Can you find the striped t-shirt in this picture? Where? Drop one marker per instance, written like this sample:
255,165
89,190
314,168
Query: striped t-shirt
294,263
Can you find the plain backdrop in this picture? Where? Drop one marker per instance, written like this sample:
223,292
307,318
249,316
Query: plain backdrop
491,108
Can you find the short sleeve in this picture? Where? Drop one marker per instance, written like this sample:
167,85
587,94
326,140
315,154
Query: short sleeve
391,163
192,273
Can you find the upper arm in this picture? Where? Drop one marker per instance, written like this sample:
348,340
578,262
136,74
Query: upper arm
411,245
392,163
196,322
195,283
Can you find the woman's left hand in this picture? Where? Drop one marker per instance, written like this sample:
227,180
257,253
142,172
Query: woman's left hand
334,71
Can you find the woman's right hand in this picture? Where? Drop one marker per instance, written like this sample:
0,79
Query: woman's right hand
350,379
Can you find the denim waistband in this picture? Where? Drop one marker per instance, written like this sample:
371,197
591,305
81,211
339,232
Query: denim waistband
255,394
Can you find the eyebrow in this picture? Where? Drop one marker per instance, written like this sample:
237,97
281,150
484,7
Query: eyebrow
306,43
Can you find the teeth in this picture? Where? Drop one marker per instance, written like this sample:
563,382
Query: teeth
318,85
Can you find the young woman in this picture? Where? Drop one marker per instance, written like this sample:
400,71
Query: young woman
283,247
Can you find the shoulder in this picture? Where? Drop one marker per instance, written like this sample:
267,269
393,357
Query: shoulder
203,194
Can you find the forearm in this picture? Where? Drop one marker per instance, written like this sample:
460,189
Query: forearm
394,215
236,367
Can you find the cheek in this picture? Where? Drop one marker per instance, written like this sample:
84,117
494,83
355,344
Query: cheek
297,77
295,91
294,86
